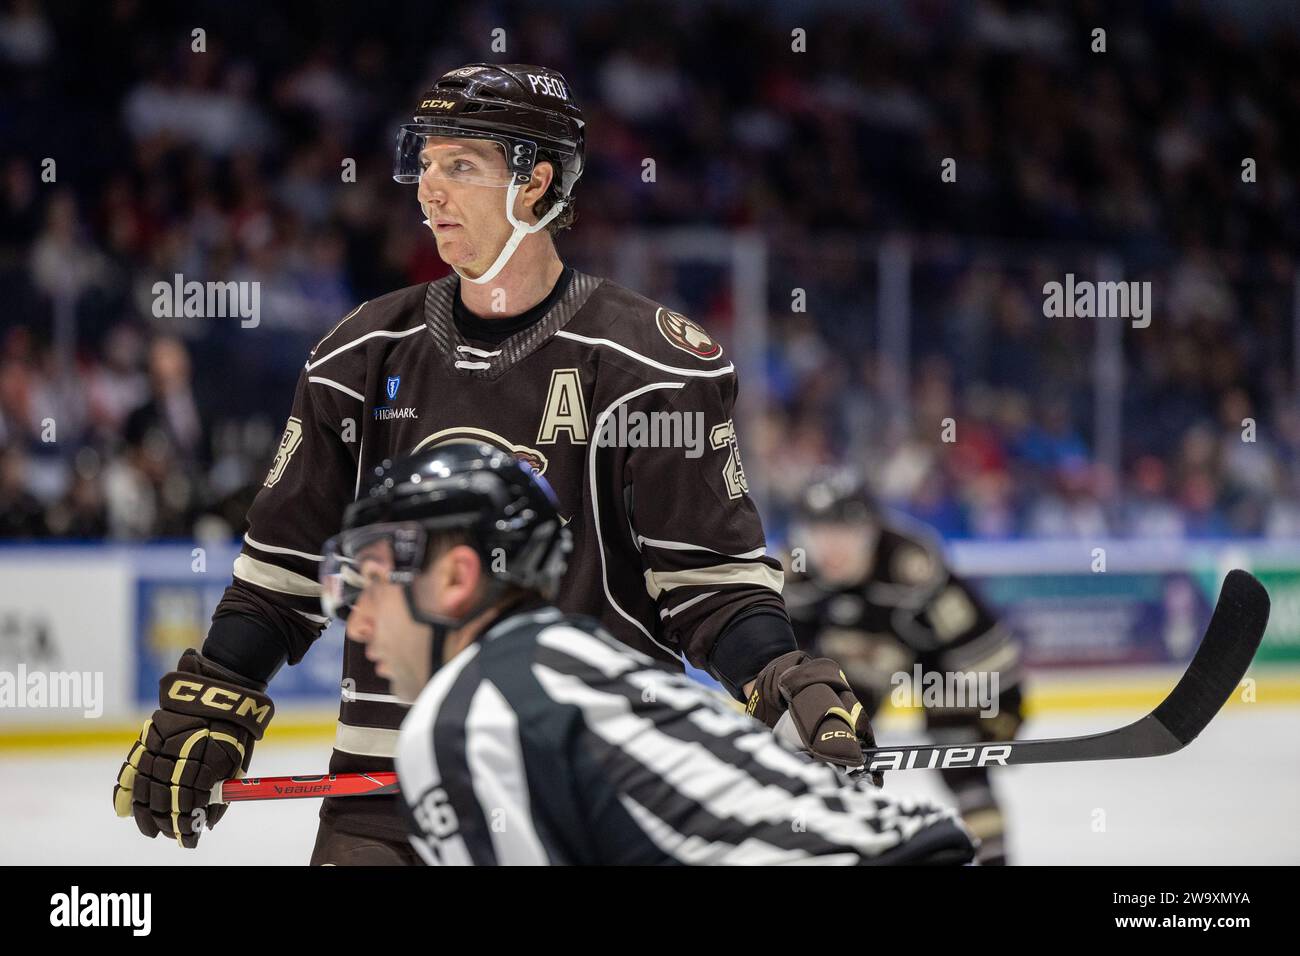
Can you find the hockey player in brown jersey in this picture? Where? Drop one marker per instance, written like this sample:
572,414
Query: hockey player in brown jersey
876,593
623,405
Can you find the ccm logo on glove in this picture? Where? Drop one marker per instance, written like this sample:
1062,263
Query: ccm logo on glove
188,690
831,735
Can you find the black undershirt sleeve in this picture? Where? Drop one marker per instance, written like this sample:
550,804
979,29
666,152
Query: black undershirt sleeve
246,646
745,647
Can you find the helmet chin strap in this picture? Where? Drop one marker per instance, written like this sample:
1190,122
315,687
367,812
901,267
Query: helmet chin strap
441,625
521,229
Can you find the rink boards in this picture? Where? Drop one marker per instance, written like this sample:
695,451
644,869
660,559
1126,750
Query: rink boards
1092,638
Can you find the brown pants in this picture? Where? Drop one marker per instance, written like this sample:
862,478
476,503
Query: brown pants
335,848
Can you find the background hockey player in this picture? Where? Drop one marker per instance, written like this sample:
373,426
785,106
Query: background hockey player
540,739
535,358
877,595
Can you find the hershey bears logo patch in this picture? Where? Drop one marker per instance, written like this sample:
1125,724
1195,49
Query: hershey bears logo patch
686,334
466,435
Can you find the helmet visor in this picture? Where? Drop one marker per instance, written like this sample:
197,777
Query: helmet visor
450,154
359,557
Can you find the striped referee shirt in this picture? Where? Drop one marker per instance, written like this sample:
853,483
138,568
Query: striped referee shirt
548,742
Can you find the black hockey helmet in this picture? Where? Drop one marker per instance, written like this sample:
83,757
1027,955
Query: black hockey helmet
839,496
506,511
527,109
836,523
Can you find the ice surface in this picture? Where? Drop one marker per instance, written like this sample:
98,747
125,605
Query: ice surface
58,809
1229,798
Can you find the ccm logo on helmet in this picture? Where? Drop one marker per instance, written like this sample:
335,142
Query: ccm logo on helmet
548,85
218,699
436,104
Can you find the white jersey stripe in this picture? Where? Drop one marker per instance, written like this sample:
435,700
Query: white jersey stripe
347,694
356,491
276,549
686,546
671,369
670,611
589,650
275,578
321,380
417,765
656,582
339,324
496,763
365,741
382,333
594,485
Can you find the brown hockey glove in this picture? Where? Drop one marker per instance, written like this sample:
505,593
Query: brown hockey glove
832,725
202,733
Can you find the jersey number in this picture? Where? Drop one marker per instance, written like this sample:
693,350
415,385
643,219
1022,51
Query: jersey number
733,472
435,815
288,445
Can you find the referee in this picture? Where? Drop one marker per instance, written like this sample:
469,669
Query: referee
535,738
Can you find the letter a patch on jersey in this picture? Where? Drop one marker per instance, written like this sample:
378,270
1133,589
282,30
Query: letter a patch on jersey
288,445
565,409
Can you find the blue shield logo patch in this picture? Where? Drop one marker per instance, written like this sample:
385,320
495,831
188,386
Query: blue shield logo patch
393,382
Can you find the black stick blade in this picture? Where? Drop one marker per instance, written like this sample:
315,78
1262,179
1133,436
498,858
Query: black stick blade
1220,662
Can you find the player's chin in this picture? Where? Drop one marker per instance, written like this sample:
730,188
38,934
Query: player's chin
454,251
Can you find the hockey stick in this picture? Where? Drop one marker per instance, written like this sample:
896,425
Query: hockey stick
1226,650
297,788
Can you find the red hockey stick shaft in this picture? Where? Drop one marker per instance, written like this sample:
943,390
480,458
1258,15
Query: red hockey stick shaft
298,788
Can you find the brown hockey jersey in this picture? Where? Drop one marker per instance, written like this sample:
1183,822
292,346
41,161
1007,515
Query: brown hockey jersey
624,406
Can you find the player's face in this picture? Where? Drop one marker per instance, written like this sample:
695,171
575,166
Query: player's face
398,646
462,192
839,551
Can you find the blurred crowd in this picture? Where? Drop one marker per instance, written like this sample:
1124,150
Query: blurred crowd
233,163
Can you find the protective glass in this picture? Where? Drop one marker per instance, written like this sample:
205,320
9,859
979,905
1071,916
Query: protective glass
451,155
